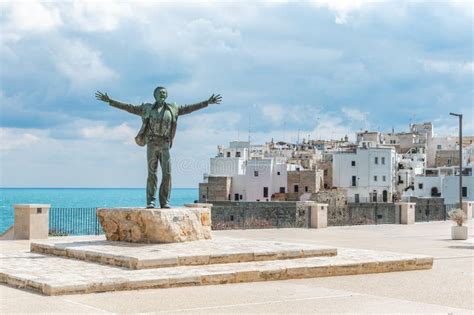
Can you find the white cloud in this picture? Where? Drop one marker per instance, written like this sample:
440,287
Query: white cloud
442,66
97,16
100,131
354,114
332,126
82,65
11,138
275,113
343,8
32,16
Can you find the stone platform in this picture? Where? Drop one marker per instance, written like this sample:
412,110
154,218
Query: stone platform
209,252
55,275
140,225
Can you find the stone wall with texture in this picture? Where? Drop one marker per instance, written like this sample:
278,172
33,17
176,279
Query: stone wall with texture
228,215
337,205
429,209
372,213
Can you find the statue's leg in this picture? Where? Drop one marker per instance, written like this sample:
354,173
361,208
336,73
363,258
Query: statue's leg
165,187
152,157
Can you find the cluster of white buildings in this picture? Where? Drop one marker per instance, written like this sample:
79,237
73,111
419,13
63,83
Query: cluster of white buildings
378,167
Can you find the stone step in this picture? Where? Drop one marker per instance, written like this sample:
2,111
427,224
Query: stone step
220,250
52,275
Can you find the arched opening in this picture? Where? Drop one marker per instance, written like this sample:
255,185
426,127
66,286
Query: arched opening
434,192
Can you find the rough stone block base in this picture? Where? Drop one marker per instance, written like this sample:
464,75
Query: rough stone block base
139,225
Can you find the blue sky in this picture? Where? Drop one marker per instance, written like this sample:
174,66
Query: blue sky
321,69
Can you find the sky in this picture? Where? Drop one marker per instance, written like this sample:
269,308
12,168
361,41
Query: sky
286,70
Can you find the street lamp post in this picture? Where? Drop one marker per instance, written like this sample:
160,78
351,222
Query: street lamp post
460,156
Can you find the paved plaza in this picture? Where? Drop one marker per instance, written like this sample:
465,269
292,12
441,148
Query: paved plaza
446,288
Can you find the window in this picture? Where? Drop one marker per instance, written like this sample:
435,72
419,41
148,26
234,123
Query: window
228,154
298,169
282,190
420,186
295,188
203,196
383,160
449,162
265,192
305,188
325,172
438,147
464,191
255,173
376,160
384,178
241,197
353,163
236,197
354,181
278,173
237,154
375,178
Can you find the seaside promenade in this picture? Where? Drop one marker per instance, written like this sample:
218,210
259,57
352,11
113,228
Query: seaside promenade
446,288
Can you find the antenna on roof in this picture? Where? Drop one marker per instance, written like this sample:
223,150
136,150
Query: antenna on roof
250,123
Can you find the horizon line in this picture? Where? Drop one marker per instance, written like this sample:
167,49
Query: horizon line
87,188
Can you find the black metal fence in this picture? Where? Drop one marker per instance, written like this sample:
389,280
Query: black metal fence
74,221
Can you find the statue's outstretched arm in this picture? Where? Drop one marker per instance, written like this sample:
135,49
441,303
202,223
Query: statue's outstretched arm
133,109
187,109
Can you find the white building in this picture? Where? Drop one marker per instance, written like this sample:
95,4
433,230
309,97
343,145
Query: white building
408,167
253,177
230,161
444,182
368,173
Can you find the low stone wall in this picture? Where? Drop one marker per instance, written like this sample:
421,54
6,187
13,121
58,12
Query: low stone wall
372,213
429,209
258,215
286,214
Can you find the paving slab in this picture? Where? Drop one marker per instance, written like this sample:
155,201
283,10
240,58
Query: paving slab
206,252
52,275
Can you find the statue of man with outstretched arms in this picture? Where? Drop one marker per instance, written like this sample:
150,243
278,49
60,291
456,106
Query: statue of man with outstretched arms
157,133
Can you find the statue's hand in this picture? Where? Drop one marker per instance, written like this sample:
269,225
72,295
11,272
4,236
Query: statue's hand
215,99
102,97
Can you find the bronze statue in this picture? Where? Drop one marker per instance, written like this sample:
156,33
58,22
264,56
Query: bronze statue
157,132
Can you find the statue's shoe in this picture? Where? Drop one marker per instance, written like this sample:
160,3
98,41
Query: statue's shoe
150,206
166,206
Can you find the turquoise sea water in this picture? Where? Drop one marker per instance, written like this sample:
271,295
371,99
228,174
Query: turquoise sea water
82,197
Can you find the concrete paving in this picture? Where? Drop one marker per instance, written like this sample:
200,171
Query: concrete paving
447,288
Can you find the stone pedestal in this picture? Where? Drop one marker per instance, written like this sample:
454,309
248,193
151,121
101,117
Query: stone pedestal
139,225
319,216
30,221
407,212
467,208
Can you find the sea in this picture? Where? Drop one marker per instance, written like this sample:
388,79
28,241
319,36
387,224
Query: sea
82,198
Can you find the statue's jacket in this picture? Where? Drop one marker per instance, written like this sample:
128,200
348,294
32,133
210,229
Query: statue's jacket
144,110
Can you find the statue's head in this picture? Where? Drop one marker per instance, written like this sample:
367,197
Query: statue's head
160,93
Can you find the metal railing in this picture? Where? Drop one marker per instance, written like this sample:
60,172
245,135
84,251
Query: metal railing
74,221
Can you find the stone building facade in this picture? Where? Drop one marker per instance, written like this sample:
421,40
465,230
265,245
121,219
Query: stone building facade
447,158
217,188
303,182
326,167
